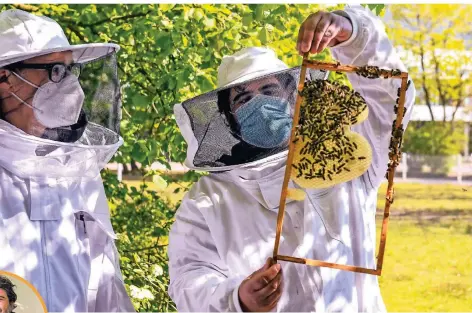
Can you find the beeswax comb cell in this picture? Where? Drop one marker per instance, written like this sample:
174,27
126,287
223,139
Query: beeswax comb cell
326,151
296,194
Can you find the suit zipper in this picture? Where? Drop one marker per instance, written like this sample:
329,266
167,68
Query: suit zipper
46,265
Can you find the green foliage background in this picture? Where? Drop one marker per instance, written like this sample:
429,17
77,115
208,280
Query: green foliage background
169,53
434,138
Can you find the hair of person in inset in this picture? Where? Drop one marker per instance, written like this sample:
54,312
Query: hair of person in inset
285,79
8,286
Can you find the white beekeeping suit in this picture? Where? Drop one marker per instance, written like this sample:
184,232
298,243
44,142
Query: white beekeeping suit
56,134
225,227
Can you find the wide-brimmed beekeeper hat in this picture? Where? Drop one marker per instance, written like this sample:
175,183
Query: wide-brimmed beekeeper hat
24,36
248,63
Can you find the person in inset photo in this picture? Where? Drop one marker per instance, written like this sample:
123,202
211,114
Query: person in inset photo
18,295
55,228
7,295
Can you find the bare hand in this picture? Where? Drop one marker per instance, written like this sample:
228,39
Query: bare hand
322,29
261,291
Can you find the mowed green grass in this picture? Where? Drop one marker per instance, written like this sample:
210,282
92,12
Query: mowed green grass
446,198
428,266
428,262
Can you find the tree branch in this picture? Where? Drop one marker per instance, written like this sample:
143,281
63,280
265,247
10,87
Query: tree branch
437,73
423,72
76,32
117,18
460,97
407,21
146,76
146,248
134,81
442,95
26,7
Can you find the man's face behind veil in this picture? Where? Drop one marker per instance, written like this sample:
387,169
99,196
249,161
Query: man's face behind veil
262,112
242,94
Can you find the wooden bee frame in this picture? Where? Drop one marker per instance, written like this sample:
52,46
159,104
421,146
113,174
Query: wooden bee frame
394,156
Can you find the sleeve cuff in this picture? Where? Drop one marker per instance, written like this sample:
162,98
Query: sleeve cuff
355,28
236,303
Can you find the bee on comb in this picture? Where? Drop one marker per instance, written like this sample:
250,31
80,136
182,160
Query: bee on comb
326,151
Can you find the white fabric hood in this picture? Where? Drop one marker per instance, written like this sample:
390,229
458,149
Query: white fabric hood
28,156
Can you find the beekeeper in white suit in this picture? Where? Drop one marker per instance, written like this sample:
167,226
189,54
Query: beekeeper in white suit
55,228
224,231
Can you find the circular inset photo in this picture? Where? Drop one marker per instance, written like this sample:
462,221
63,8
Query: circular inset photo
18,296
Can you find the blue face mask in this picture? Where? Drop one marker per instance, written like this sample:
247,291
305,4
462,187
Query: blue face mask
265,121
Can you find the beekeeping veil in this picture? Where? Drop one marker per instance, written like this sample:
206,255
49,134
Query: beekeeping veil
219,126
84,147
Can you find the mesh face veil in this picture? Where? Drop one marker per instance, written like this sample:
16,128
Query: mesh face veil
241,124
81,149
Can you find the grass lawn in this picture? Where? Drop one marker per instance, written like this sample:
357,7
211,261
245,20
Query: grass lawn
428,262
447,198
428,266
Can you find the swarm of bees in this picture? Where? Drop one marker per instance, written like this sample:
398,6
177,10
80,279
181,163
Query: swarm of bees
397,137
326,151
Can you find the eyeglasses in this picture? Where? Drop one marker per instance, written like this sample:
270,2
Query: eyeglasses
57,71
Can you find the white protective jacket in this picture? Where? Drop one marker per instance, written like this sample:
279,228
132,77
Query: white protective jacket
56,231
225,228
